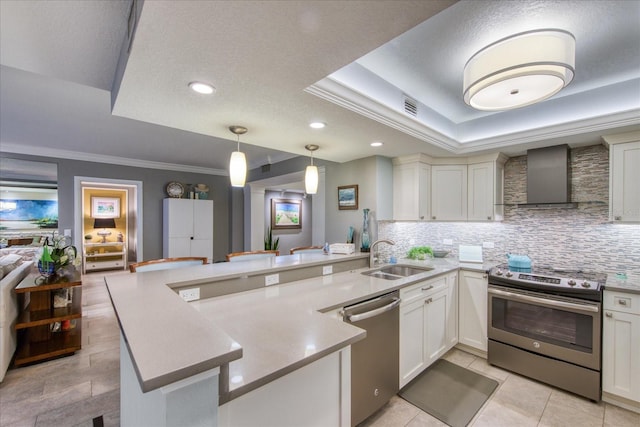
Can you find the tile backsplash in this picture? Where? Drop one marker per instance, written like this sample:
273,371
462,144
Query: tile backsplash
582,238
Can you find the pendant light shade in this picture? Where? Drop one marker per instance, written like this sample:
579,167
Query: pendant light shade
311,173
238,169
238,161
519,70
311,179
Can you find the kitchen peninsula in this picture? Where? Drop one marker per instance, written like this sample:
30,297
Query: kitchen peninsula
239,345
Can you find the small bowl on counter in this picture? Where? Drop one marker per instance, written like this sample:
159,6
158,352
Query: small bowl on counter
440,253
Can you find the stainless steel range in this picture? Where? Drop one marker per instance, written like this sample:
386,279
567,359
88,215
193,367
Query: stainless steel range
546,324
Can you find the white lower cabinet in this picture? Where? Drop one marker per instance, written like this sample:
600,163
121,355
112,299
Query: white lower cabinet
473,311
621,348
427,327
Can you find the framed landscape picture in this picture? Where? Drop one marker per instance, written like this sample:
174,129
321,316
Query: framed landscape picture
286,214
105,207
348,197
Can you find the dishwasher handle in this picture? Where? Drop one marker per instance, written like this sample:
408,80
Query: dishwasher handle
368,314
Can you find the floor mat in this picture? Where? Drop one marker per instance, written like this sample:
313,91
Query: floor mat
449,392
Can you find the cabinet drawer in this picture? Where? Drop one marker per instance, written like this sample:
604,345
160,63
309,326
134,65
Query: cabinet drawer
422,289
94,265
622,301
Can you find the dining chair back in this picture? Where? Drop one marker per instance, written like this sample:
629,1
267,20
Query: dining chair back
306,249
250,255
166,263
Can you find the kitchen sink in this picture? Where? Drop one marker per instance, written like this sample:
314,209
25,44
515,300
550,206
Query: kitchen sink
396,271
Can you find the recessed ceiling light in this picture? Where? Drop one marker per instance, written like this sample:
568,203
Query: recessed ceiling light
377,144
203,88
317,125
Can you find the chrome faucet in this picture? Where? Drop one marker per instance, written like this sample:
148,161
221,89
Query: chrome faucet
373,258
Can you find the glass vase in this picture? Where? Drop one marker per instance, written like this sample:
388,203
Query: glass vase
366,239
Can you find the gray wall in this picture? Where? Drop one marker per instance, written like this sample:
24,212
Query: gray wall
153,189
290,238
374,177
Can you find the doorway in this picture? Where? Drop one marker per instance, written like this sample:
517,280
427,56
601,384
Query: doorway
254,201
93,195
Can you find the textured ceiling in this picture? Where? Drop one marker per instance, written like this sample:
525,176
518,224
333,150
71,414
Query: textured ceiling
277,65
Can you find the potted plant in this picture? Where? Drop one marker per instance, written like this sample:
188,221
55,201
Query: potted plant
269,243
57,253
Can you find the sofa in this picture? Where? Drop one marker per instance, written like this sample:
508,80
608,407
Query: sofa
13,268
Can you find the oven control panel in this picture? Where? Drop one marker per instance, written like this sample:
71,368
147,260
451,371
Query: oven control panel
545,280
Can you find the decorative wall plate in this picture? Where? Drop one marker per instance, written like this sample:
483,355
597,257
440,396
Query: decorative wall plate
175,189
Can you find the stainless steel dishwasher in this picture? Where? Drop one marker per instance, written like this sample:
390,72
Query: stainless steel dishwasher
375,359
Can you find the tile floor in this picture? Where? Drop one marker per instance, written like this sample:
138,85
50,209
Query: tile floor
73,390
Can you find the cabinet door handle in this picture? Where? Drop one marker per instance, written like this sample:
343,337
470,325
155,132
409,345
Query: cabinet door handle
433,217
622,302
618,218
484,276
429,301
191,237
427,288
489,218
609,315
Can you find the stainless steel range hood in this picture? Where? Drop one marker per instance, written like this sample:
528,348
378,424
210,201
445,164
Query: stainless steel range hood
549,178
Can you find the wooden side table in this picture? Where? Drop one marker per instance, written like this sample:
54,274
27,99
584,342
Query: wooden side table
45,331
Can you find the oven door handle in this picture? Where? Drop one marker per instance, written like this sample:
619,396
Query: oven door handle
553,303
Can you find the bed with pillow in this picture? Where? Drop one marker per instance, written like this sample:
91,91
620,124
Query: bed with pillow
13,268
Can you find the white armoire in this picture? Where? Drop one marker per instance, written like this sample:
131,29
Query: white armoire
187,228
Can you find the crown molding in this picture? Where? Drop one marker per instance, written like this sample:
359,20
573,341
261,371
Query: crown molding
99,158
339,94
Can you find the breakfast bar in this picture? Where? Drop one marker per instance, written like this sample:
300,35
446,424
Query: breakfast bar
243,343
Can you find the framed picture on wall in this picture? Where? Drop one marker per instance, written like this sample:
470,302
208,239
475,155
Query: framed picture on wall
286,214
348,197
105,207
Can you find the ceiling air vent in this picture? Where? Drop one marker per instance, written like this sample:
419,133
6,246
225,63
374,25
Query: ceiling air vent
410,106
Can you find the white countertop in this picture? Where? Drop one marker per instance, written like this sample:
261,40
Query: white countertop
629,284
263,333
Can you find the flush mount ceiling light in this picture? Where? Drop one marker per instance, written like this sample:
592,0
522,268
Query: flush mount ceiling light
520,70
376,144
317,125
311,173
238,161
203,88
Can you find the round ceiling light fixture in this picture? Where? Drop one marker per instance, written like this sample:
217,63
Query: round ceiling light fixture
317,125
520,70
203,88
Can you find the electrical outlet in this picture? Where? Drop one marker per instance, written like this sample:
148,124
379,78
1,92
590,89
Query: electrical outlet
447,241
488,245
327,269
190,294
272,279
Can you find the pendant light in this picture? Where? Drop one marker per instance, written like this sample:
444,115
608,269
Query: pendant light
311,174
520,70
238,161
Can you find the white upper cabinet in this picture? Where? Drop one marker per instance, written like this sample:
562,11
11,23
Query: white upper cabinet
485,189
624,191
411,188
449,192
448,189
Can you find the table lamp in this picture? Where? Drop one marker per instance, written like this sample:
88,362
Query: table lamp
104,223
